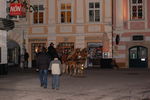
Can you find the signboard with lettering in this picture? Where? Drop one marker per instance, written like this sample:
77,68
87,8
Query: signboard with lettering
17,9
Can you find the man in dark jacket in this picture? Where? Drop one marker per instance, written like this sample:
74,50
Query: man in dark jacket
52,51
43,61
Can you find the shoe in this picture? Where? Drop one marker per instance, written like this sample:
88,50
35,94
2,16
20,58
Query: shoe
41,85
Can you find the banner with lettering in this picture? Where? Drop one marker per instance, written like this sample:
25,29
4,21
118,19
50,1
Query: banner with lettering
17,9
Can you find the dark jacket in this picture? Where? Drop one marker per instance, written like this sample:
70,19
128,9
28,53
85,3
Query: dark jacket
43,60
52,52
26,56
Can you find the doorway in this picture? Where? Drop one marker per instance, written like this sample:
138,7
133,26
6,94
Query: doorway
13,53
138,57
94,54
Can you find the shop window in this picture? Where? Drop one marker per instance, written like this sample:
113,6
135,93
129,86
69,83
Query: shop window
66,47
35,48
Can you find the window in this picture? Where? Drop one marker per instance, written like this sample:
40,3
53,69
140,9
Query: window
66,13
94,12
138,38
38,15
66,47
137,9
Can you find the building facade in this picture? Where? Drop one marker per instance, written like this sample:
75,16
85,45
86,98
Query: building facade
67,23
131,25
3,35
119,29
3,39
75,23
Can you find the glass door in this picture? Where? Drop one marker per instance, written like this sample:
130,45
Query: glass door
94,54
138,57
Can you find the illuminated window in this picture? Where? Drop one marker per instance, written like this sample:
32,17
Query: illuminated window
137,9
38,15
94,12
66,13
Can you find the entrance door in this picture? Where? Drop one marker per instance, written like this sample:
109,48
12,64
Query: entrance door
13,53
138,57
94,54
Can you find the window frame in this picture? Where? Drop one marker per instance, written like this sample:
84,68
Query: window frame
39,12
71,2
66,11
137,11
94,9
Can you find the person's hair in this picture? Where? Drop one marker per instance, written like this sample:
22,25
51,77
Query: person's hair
52,44
43,49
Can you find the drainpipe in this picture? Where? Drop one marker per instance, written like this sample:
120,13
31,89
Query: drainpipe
112,28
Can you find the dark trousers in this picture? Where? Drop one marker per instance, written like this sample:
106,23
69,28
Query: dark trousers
55,81
43,74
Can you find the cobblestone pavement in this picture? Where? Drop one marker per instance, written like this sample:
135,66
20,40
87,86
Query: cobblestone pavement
97,84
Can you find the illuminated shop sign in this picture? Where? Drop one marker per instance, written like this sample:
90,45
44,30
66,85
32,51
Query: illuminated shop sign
17,9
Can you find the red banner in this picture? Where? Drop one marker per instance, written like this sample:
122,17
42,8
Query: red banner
17,9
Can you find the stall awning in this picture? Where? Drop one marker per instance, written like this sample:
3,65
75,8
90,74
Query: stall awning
6,24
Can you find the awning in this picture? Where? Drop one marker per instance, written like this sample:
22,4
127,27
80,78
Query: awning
6,24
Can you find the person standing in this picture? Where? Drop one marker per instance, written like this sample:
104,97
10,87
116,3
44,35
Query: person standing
26,57
55,67
52,51
43,61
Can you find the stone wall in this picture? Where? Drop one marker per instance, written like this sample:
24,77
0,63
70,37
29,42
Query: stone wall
3,34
